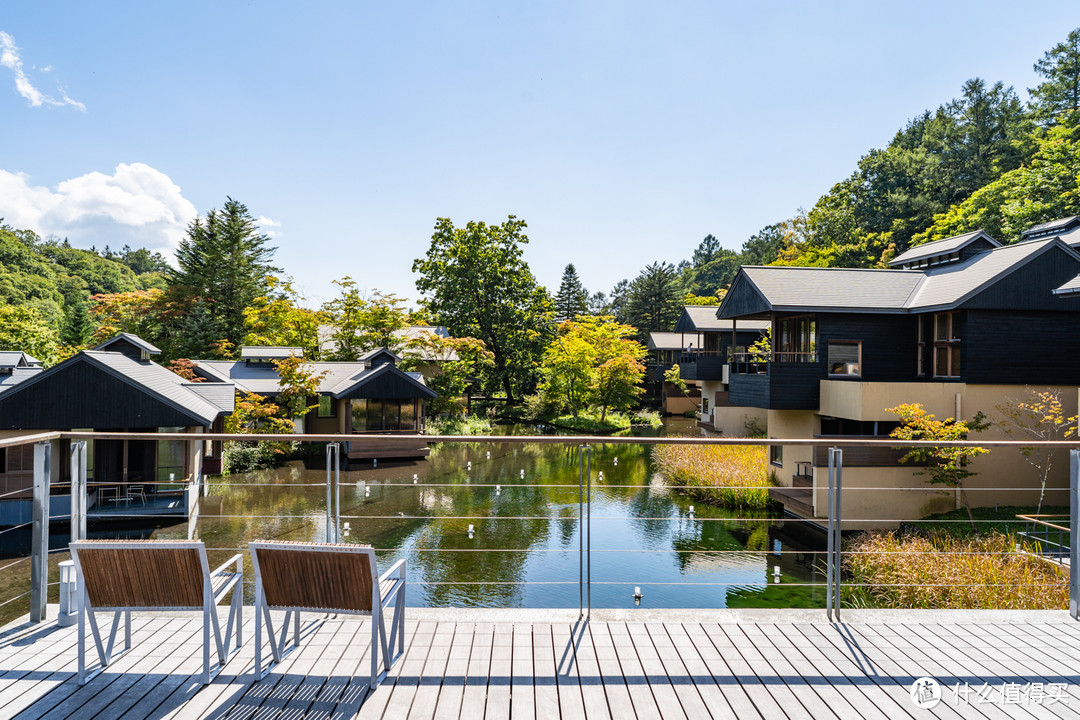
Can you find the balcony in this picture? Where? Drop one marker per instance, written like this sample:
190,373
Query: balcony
704,365
790,382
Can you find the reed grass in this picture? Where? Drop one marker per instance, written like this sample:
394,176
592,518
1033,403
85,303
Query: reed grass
734,476
942,572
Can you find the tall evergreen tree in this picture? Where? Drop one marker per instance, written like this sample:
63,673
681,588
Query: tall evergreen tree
572,299
1058,96
224,261
706,251
76,327
654,300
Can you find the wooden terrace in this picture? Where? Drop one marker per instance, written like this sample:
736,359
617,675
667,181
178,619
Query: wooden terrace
540,664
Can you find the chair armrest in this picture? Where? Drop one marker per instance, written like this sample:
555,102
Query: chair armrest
398,567
238,559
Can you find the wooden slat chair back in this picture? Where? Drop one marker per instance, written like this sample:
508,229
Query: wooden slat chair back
325,577
146,575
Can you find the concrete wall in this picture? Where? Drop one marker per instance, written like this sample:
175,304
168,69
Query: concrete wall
731,420
792,424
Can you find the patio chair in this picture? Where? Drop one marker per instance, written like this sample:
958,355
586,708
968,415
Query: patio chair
325,578
123,575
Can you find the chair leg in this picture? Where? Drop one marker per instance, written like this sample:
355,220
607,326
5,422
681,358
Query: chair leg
374,650
206,646
258,632
81,601
127,630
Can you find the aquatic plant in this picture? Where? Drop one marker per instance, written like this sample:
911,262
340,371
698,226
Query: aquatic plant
734,476
459,425
939,571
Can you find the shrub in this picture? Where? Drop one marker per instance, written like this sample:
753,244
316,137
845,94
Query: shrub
647,418
734,476
241,457
459,425
939,571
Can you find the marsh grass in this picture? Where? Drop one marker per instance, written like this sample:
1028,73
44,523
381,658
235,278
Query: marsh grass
734,476
939,571
459,425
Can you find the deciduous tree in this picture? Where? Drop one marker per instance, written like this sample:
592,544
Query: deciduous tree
1038,416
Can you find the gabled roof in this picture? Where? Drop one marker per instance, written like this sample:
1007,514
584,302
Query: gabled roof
809,289
338,378
133,339
700,318
1054,227
374,353
269,352
16,359
939,248
148,378
18,375
674,340
412,383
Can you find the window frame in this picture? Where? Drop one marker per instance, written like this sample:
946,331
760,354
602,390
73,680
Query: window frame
951,345
776,455
828,358
332,405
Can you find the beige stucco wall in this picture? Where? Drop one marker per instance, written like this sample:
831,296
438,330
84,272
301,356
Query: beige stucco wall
1003,476
792,424
731,420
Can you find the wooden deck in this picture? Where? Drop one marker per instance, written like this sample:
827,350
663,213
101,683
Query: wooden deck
541,665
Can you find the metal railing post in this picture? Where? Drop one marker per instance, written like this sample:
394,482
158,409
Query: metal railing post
79,500
581,531
1074,542
829,538
588,532
838,568
333,515
39,560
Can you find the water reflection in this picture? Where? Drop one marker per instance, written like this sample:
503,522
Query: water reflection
524,552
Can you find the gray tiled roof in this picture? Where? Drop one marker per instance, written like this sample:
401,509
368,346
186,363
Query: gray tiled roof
13,359
833,288
674,340
18,375
167,385
269,352
133,339
866,290
1073,286
1049,228
219,394
939,247
697,318
264,380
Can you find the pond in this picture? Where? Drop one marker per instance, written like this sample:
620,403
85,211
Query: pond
522,501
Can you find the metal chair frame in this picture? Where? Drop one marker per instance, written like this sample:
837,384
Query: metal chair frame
379,640
211,597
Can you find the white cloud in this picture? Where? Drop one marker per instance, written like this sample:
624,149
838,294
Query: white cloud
136,205
266,225
9,58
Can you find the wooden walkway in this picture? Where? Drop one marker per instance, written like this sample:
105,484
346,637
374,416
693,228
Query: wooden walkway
549,667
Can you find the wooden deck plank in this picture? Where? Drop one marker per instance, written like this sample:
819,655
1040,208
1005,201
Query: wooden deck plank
457,670
713,695
571,702
400,689
474,697
637,684
778,665
593,695
522,692
610,672
545,692
426,697
705,659
499,677
667,700
685,688
753,671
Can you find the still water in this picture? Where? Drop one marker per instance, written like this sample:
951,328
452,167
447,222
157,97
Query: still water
522,501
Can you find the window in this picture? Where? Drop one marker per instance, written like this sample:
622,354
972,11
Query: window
704,404
845,358
776,455
796,339
326,407
920,358
359,415
947,345
3,460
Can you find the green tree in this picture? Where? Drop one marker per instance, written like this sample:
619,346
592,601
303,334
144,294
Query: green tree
478,285
361,323
459,360
76,329
1057,98
224,261
706,251
945,465
593,362
654,299
279,318
23,328
572,299
299,383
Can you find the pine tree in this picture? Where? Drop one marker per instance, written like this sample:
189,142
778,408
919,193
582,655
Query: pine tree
1059,94
572,299
76,327
224,262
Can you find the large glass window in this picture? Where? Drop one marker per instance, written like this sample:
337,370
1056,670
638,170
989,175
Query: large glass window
408,415
776,455
327,407
796,339
359,415
947,344
374,414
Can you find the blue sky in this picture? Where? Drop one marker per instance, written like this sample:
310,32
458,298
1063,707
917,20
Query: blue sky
622,132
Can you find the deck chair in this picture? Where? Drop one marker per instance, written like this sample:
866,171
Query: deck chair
123,575
325,578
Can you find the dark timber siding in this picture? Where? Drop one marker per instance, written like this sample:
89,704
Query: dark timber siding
888,343
1029,287
390,384
84,396
1017,348
743,299
976,247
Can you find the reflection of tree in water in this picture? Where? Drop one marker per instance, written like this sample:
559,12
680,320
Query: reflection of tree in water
645,505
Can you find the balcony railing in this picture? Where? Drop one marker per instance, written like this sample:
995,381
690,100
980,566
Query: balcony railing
756,363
